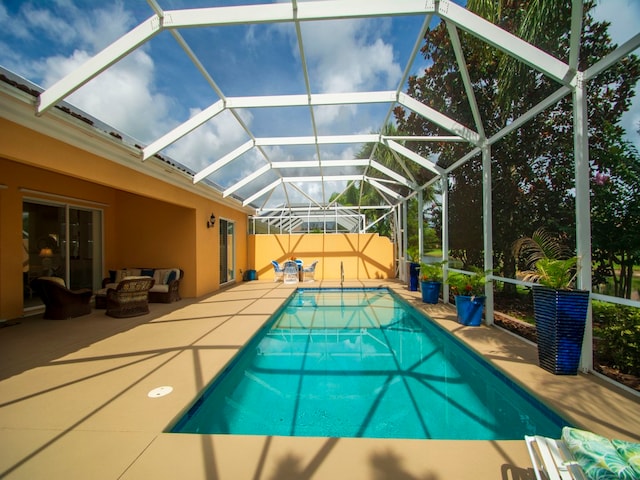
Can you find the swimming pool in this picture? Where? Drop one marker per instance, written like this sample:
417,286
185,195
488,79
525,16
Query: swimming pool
363,363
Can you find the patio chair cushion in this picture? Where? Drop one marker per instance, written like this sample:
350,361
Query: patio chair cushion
127,272
597,455
58,280
164,276
630,452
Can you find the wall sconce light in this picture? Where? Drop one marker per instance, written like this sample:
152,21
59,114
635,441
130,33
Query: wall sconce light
211,222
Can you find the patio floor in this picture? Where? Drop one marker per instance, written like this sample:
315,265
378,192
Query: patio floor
74,400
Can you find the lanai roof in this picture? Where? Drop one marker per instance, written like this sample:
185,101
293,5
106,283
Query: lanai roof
267,162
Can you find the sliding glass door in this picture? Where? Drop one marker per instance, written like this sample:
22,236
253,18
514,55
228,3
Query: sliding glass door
62,241
227,251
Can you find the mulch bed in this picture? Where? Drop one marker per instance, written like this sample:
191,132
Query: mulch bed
523,329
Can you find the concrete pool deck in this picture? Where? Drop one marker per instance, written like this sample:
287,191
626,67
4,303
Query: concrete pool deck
74,400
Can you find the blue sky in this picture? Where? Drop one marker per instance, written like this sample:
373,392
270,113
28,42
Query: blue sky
45,40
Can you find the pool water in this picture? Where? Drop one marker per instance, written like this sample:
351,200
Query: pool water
363,363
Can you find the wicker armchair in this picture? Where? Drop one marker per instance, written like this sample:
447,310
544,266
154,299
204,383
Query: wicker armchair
309,273
291,272
60,302
130,298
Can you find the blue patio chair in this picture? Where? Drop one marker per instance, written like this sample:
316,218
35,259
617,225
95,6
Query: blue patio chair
277,270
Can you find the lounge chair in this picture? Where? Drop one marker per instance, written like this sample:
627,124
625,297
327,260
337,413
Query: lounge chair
582,455
277,271
60,302
308,273
291,272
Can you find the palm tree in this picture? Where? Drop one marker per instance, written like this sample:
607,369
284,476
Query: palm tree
532,25
547,260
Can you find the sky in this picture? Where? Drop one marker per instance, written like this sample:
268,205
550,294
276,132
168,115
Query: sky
43,40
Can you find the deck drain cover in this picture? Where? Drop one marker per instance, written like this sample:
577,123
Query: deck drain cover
160,392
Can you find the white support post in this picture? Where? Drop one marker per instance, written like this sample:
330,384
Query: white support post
403,229
583,213
420,223
445,236
398,235
487,227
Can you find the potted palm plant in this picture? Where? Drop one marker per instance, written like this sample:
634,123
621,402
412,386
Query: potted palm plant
468,292
414,267
430,281
560,310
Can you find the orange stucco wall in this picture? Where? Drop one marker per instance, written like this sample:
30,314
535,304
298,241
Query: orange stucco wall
364,256
147,222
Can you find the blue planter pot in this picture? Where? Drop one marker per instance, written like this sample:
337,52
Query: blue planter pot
414,272
430,291
560,317
469,310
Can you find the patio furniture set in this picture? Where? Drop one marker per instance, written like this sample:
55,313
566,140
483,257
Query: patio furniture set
125,293
294,271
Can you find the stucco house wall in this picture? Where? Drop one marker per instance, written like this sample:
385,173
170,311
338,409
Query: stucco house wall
146,221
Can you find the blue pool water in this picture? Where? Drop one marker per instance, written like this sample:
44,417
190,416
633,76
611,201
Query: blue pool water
363,363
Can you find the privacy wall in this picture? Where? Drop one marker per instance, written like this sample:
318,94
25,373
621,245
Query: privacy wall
363,256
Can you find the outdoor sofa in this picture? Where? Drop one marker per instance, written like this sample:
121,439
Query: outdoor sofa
166,287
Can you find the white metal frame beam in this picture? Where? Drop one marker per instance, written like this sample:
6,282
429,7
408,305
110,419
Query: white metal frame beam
505,41
266,102
439,118
183,129
303,11
245,181
229,157
411,155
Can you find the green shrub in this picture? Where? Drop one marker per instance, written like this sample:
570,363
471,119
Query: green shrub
618,328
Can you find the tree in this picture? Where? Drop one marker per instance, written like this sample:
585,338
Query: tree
615,211
532,168
529,21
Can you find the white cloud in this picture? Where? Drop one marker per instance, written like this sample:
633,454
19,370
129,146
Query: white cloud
347,56
105,25
87,28
11,25
624,16
122,96
329,114
351,57
42,21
